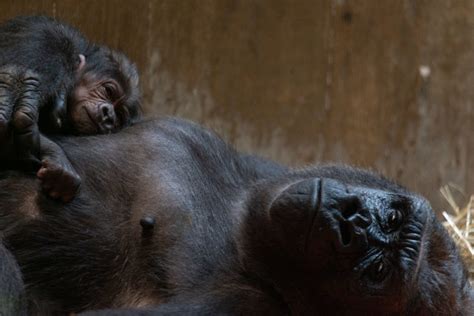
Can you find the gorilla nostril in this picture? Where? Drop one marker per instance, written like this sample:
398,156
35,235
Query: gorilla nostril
351,238
345,232
107,116
350,206
360,220
106,110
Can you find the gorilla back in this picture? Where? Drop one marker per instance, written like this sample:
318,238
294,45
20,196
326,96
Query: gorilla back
171,219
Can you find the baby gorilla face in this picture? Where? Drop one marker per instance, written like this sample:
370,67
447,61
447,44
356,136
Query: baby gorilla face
105,97
344,249
95,106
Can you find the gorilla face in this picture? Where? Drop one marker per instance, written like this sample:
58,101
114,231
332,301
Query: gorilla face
349,249
377,240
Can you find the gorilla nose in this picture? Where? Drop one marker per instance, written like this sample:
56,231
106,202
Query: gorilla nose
107,113
342,212
322,210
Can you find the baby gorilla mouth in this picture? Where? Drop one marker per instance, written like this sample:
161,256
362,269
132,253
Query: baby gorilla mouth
97,118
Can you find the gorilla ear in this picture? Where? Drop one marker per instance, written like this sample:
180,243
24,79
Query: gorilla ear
82,63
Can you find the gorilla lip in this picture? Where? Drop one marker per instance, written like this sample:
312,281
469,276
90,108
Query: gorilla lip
92,120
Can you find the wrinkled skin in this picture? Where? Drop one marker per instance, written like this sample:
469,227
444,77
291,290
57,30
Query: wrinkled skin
54,81
188,226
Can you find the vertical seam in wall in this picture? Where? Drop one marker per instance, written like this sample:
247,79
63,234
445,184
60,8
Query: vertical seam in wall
330,56
149,27
54,9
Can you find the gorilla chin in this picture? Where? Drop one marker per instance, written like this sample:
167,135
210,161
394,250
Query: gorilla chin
187,225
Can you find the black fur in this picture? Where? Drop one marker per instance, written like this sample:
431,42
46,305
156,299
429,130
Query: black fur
230,234
12,300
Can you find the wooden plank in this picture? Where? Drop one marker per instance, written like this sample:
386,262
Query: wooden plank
382,84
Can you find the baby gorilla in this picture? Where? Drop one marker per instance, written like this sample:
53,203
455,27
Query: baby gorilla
53,80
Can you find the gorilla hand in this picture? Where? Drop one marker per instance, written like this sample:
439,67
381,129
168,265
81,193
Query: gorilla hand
21,99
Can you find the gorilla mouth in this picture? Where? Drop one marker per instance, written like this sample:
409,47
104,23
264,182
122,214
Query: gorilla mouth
345,233
92,120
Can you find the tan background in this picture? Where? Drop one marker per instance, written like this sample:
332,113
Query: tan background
380,84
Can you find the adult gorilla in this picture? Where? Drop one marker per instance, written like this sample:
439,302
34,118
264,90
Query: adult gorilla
171,219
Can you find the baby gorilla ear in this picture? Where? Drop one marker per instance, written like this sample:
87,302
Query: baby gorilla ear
82,63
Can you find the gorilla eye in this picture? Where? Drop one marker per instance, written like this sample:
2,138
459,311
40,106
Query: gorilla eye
394,219
378,271
109,91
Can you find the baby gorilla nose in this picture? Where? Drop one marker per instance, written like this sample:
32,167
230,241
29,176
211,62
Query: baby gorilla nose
107,117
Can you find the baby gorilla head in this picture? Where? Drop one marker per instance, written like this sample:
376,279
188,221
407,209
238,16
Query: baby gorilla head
105,97
340,249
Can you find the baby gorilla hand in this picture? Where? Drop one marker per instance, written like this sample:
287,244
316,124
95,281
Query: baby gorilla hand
58,178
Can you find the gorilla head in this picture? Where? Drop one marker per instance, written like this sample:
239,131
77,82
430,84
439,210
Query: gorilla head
333,247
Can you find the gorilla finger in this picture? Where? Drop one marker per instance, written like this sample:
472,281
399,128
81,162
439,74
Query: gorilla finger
25,120
5,113
27,143
41,172
8,79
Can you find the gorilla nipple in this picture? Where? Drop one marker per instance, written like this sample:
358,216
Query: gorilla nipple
148,226
147,223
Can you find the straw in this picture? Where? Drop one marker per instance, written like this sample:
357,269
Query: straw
460,225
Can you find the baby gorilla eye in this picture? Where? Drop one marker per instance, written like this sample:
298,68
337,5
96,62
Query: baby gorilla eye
394,220
110,90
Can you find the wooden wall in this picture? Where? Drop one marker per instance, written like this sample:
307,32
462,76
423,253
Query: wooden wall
377,83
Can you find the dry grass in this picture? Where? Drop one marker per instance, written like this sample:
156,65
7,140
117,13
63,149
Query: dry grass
459,223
